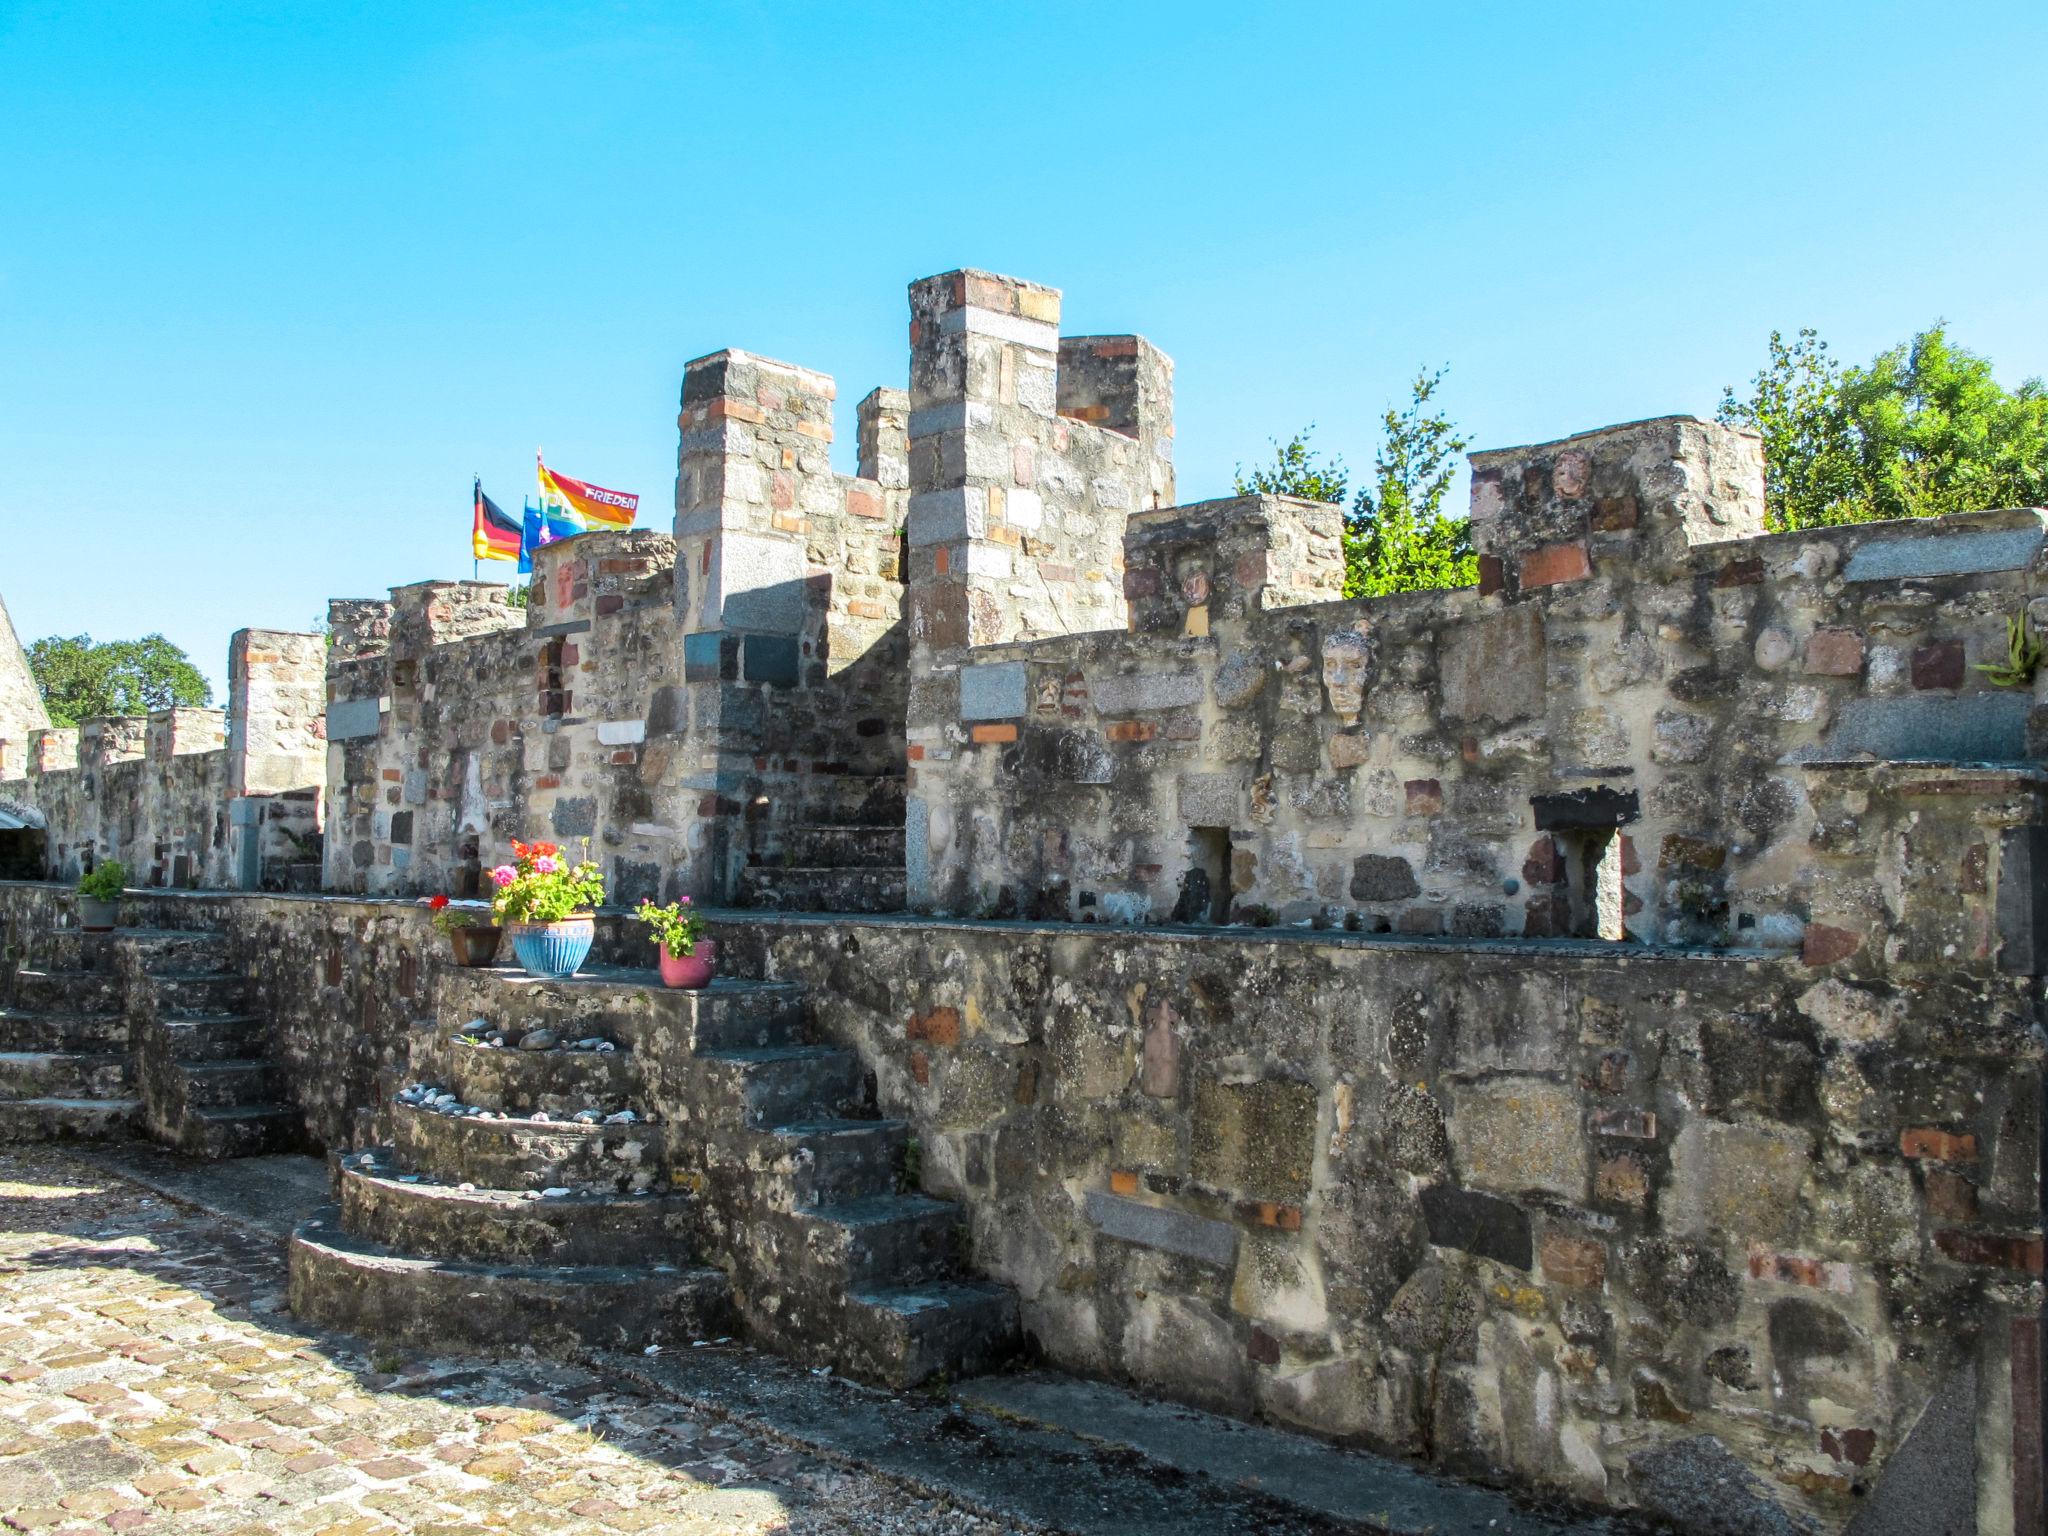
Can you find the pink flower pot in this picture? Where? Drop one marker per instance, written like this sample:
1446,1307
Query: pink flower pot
691,970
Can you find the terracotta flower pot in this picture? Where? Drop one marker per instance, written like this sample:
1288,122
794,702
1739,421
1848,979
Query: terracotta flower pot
692,970
552,950
476,945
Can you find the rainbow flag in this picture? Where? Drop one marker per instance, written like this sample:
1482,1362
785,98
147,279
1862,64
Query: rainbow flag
591,505
544,526
495,534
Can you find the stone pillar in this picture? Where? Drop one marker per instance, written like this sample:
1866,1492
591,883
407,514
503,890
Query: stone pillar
181,731
276,728
754,464
884,418
984,392
1639,495
1124,384
277,747
53,749
1188,567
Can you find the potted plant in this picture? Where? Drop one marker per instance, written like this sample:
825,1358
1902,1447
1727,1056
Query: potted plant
543,903
471,933
685,953
99,896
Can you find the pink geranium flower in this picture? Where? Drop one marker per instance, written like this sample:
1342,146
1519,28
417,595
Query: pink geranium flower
545,865
504,875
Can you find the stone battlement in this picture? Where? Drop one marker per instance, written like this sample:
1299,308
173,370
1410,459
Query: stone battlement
1636,1088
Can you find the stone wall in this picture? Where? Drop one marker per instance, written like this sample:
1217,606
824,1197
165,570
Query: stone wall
193,797
1615,734
1615,1224
21,705
1625,1224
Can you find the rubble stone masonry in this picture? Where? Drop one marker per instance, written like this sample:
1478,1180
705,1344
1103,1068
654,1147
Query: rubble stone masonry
1582,1031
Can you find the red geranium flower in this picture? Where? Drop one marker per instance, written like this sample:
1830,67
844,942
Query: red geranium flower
438,903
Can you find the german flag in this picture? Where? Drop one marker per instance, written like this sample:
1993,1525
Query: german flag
495,535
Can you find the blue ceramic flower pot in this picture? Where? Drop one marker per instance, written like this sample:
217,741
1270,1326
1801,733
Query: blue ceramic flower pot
553,949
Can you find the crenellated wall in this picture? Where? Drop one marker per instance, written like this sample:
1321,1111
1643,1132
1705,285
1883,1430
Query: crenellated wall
193,797
1616,734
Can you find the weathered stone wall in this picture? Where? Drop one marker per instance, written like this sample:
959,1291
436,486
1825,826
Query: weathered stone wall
1027,453
1615,1221
1623,1223
193,797
1614,734
21,705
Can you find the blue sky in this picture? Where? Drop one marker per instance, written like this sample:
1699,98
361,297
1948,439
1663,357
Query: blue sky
276,279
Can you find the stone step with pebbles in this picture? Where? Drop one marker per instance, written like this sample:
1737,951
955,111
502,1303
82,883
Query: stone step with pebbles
604,1122
520,1186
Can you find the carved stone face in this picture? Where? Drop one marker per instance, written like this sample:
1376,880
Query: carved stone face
1347,669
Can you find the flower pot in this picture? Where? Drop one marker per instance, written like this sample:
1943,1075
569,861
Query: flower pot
98,916
477,945
692,970
553,949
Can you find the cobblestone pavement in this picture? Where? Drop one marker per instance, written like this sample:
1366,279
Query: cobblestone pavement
151,1380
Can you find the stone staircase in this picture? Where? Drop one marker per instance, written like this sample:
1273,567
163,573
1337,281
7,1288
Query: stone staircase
64,1069
748,1149
847,857
207,1087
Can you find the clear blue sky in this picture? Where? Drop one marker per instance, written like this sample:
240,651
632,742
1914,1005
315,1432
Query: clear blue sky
276,279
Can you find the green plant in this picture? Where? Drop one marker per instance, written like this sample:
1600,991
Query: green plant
2023,653
84,679
911,1178
1921,431
104,881
677,927
540,886
450,919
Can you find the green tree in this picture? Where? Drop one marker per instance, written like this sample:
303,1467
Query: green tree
1297,470
1396,536
81,679
1813,473
1924,430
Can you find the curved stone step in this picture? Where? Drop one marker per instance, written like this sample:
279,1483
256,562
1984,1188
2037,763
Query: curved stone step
905,1335
497,1226
775,1085
516,1081
630,1007
42,991
521,1155
345,1282
62,1075
64,1119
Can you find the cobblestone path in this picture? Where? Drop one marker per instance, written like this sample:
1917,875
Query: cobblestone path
151,1380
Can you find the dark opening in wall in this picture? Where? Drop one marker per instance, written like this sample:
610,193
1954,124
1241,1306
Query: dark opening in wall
1205,888
1586,825
1593,883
